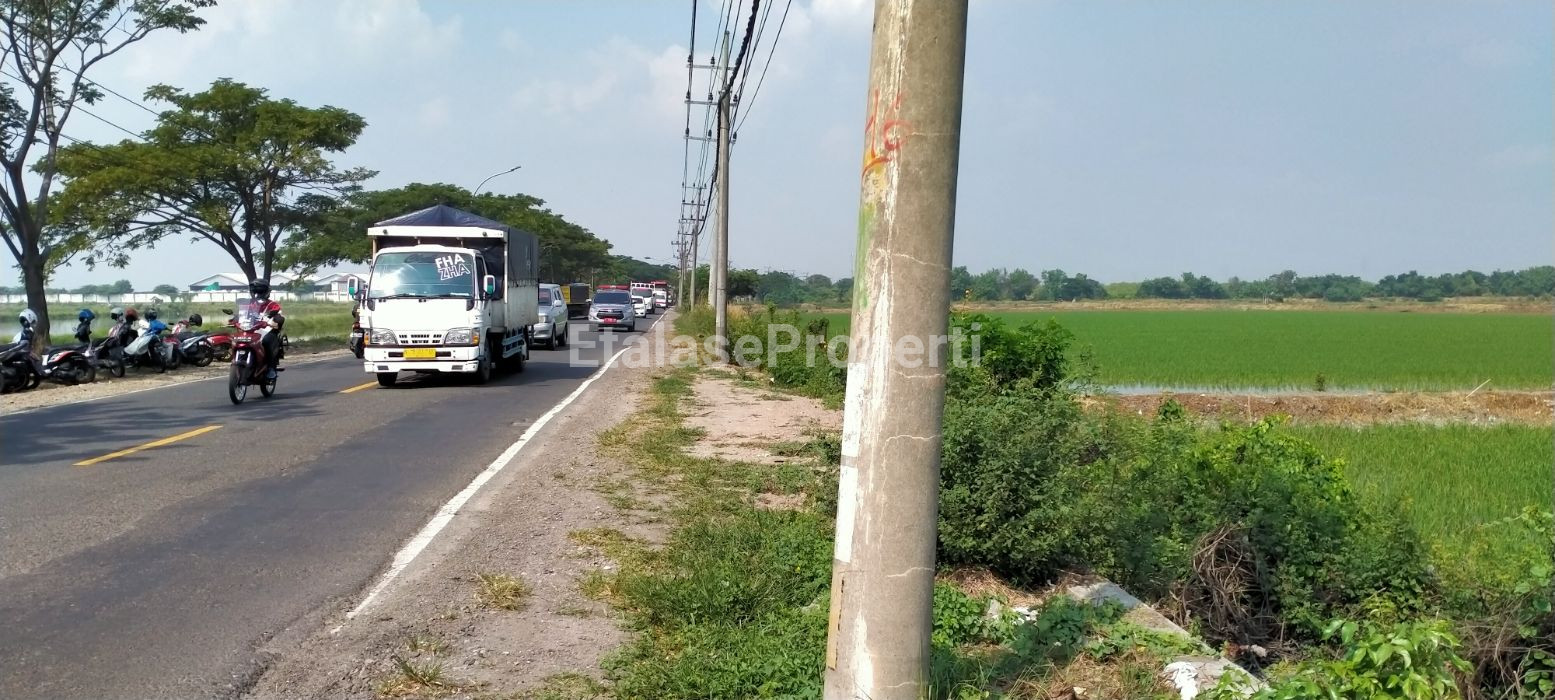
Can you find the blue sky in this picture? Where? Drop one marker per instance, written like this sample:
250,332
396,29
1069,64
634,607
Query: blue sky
1121,139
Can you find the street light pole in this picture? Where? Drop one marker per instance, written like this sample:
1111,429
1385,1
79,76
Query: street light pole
481,186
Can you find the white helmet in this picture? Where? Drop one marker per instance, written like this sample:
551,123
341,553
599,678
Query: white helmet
28,318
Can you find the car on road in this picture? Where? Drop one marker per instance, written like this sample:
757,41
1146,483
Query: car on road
641,306
612,308
551,330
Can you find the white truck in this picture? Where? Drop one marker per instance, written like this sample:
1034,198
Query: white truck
449,291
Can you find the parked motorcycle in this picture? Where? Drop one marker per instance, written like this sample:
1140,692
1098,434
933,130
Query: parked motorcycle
146,351
108,353
72,364
194,347
17,367
250,367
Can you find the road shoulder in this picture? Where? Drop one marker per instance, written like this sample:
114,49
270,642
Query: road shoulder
443,618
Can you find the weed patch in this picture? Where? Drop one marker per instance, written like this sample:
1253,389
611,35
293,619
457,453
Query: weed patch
501,591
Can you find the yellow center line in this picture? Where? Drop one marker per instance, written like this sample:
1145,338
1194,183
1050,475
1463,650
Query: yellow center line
360,387
147,446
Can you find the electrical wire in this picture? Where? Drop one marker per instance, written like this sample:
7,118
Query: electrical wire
745,105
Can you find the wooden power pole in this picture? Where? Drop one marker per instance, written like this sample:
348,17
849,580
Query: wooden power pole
888,494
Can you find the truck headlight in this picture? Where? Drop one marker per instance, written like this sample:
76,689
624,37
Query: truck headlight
382,336
460,336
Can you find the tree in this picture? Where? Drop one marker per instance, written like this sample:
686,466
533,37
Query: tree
743,283
1162,288
1020,284
568,252
960,282
1052,284
165,290
844,289
230,165
50,45
989,285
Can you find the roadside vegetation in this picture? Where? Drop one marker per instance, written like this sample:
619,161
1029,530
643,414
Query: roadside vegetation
309,324
1249,533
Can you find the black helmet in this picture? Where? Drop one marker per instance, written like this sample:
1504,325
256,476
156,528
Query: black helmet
259,288
195,320
151,314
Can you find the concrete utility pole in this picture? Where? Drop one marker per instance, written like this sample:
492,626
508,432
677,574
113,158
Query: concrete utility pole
721,246
888,493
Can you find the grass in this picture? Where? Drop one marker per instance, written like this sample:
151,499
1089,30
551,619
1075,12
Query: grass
304,319
419,678
501,591
1280,349
1448,479
734,604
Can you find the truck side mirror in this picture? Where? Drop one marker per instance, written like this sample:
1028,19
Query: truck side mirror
353,287
489,285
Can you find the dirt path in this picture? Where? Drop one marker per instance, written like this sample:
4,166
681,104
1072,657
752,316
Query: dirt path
1480,408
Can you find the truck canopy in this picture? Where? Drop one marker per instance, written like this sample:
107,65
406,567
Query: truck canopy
439,222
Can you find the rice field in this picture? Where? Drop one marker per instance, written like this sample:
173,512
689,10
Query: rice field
1375,350
1449,478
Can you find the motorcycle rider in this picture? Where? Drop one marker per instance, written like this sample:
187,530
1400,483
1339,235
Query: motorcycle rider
270,313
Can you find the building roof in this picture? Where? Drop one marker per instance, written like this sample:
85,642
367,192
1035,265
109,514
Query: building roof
238,279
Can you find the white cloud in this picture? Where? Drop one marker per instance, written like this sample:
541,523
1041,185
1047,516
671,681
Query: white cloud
434,113
851,14
619,75
287,37
1526,155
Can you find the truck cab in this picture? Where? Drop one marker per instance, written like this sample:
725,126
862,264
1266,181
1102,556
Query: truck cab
449,292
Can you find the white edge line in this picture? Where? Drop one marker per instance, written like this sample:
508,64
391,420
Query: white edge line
446,513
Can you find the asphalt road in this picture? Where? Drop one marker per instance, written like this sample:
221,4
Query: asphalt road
159,572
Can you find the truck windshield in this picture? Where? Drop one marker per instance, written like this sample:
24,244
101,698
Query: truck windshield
422,274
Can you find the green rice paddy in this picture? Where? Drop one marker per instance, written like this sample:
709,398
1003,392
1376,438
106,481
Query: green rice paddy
1377,350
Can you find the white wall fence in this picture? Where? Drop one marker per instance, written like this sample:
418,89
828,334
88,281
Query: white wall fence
188,297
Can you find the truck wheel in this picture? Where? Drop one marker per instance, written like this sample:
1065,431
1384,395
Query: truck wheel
483,370
387,378
523,354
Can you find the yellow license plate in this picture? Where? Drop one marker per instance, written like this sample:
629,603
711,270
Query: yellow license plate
420,353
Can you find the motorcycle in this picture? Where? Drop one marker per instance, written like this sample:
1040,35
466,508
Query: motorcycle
147,351
18,369
194,347
358,336
71,364
249,364
108,353
220,341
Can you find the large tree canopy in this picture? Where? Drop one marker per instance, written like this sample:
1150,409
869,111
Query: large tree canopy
47,48
568,252
230,165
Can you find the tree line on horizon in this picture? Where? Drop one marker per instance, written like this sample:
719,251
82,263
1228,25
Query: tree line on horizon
999,284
